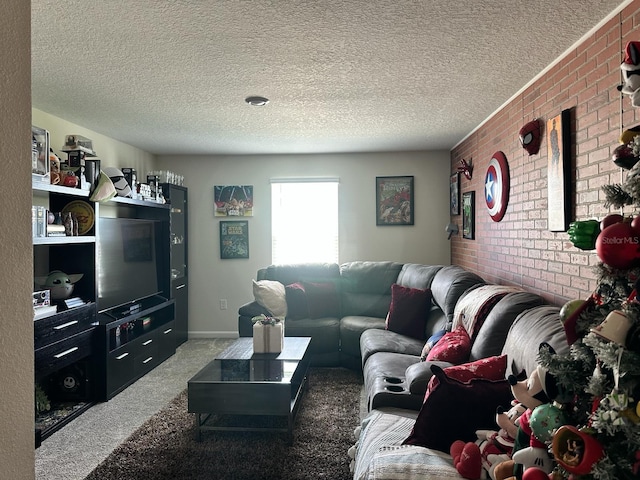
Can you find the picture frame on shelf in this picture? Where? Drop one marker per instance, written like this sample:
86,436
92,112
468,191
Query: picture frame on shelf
394,200
234,239
468,215
454,193
558,168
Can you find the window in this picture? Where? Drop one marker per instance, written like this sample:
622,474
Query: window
304,221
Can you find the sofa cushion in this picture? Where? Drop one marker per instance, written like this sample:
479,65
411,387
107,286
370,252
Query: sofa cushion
454,410
271,295
532,327
448,285
375,340
408,310
415,275
454,347
474,306
493,333
322,299
296,272
352,327
366,287
297,306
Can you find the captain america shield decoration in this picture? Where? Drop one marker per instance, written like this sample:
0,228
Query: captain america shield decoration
496,186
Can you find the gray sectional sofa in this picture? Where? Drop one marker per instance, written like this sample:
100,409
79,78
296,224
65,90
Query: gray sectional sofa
348,328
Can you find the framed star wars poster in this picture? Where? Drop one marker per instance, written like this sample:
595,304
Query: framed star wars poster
558,153
496,186
234,239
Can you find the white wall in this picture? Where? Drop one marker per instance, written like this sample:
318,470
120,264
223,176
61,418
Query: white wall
212,279
16,324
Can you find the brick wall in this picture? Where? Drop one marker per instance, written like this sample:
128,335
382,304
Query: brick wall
520,249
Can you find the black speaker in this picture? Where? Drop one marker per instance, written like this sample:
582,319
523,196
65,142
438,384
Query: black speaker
71,383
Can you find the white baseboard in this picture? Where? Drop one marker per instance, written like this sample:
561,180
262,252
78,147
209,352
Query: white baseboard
197,334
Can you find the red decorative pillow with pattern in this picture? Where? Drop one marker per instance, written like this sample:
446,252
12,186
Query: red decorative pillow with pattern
491,368
454,347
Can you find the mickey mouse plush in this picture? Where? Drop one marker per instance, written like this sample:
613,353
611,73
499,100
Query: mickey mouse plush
529,453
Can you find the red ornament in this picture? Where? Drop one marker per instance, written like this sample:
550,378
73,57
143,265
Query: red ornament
610,220
533,473
575,451
618,245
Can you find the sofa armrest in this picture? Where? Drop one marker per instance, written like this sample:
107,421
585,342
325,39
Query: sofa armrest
252,309
417,376
245,313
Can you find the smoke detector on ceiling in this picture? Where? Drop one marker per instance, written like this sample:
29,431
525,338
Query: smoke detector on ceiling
256,101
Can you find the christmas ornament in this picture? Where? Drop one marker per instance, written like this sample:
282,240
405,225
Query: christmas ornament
545,420
610,220
574,450
614,327
534,473
569,314
624,158
618,245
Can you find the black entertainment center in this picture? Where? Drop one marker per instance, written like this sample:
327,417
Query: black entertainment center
125,324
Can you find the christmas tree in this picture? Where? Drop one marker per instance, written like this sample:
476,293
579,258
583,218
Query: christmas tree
600,376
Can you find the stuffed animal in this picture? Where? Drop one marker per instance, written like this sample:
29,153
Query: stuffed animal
478,460
630,68
528,451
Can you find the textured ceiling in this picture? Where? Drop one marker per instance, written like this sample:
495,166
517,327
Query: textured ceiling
341,75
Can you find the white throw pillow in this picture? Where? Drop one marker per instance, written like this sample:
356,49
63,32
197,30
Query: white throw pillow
271,295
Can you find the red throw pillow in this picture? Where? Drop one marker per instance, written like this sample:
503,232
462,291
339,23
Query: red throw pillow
454,347
408,311
454,410
491,368
297,306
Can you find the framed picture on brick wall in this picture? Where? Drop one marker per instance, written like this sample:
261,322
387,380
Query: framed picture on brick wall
468,215
559,163
454,193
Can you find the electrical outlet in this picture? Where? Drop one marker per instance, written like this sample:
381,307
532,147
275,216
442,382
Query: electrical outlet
223,304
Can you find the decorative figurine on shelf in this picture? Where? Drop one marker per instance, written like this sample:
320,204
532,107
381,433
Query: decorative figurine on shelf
59,283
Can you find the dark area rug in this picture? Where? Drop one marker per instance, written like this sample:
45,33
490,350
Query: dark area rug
165,447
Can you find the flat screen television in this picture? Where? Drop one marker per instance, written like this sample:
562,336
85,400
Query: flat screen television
126,261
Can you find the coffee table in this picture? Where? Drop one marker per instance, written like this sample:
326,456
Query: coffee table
239,382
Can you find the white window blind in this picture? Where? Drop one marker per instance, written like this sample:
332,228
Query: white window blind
304,220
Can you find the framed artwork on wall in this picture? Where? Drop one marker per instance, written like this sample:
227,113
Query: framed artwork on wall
394,200
233,200
558,167
454,190
468,215
234,239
